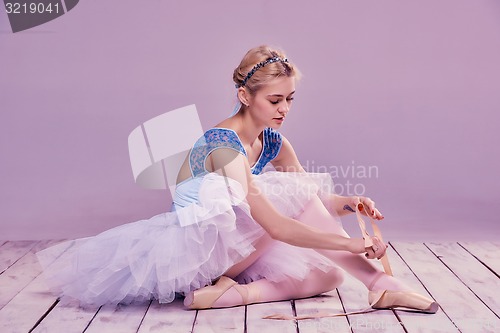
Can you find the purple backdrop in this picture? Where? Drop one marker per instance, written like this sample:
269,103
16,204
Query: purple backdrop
405,94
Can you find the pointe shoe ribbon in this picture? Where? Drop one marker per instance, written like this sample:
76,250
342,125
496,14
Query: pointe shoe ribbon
366,235
317,315
205,297
381,299
326,314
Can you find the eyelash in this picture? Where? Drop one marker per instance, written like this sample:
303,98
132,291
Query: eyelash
288,99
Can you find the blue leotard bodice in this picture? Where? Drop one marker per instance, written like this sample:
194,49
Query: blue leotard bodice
186,191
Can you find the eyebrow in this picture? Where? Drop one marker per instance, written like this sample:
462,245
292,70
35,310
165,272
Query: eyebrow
278,95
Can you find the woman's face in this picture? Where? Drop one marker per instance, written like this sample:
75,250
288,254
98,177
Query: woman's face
271,103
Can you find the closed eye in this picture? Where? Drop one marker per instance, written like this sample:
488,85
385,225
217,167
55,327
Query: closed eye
276,102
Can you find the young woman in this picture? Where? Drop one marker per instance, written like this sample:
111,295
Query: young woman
260,236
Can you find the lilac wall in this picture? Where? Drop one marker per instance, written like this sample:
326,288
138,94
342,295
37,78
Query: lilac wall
410,89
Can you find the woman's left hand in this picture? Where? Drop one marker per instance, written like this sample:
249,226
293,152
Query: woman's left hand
369,208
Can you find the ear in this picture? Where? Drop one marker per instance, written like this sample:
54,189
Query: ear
243,96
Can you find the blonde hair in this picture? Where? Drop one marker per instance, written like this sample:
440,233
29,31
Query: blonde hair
263,74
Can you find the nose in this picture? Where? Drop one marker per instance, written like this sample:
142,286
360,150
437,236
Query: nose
284,108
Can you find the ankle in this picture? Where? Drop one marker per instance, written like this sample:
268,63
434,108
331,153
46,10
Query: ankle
377,277
239,294
386,282
250,293
229,298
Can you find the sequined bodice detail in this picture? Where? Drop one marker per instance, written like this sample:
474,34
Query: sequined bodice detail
216,138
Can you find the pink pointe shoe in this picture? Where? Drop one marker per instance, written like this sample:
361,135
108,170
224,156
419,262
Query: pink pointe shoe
205,297
388,299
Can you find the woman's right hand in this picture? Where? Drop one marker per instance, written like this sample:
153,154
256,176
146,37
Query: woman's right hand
377,250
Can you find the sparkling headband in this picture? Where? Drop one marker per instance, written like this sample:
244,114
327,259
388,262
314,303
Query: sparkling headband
260,65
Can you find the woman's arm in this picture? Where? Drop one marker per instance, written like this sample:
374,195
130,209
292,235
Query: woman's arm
279,227
287,161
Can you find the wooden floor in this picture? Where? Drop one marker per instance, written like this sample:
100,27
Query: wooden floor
463,277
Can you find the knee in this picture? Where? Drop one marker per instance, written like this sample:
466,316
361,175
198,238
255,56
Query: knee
334,278
320,282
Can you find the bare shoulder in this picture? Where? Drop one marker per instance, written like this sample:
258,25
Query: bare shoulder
226,123
221,158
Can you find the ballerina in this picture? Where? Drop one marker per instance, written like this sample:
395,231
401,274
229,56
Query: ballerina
236,235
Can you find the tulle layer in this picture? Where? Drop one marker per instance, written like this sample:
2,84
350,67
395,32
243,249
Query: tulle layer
289,193
187,249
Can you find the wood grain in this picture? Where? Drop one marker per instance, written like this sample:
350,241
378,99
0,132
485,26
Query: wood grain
464,309
460,276
354,297
11,252
220,320
487,253
418,322
479,279
31,303
256,323
121,318
171,317
324,303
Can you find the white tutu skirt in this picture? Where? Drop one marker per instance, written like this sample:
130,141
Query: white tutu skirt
183,250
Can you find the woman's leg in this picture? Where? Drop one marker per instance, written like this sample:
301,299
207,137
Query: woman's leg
260,247
316,214
315,283
263,290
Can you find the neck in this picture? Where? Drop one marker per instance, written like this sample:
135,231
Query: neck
248,129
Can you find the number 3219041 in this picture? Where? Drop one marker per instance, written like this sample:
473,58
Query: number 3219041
31,8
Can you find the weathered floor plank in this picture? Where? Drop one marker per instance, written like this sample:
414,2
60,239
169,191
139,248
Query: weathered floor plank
172,318
414,321
256,323
21,273
11,252
466,311
486,252
123,319
460,276
354,297
23,311
67,317
220,320
479,279
324,303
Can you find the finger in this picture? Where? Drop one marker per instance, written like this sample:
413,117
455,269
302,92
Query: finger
370,207
381,244
370,204
370,254
382,253
381,249
365,210
378,214
377,245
